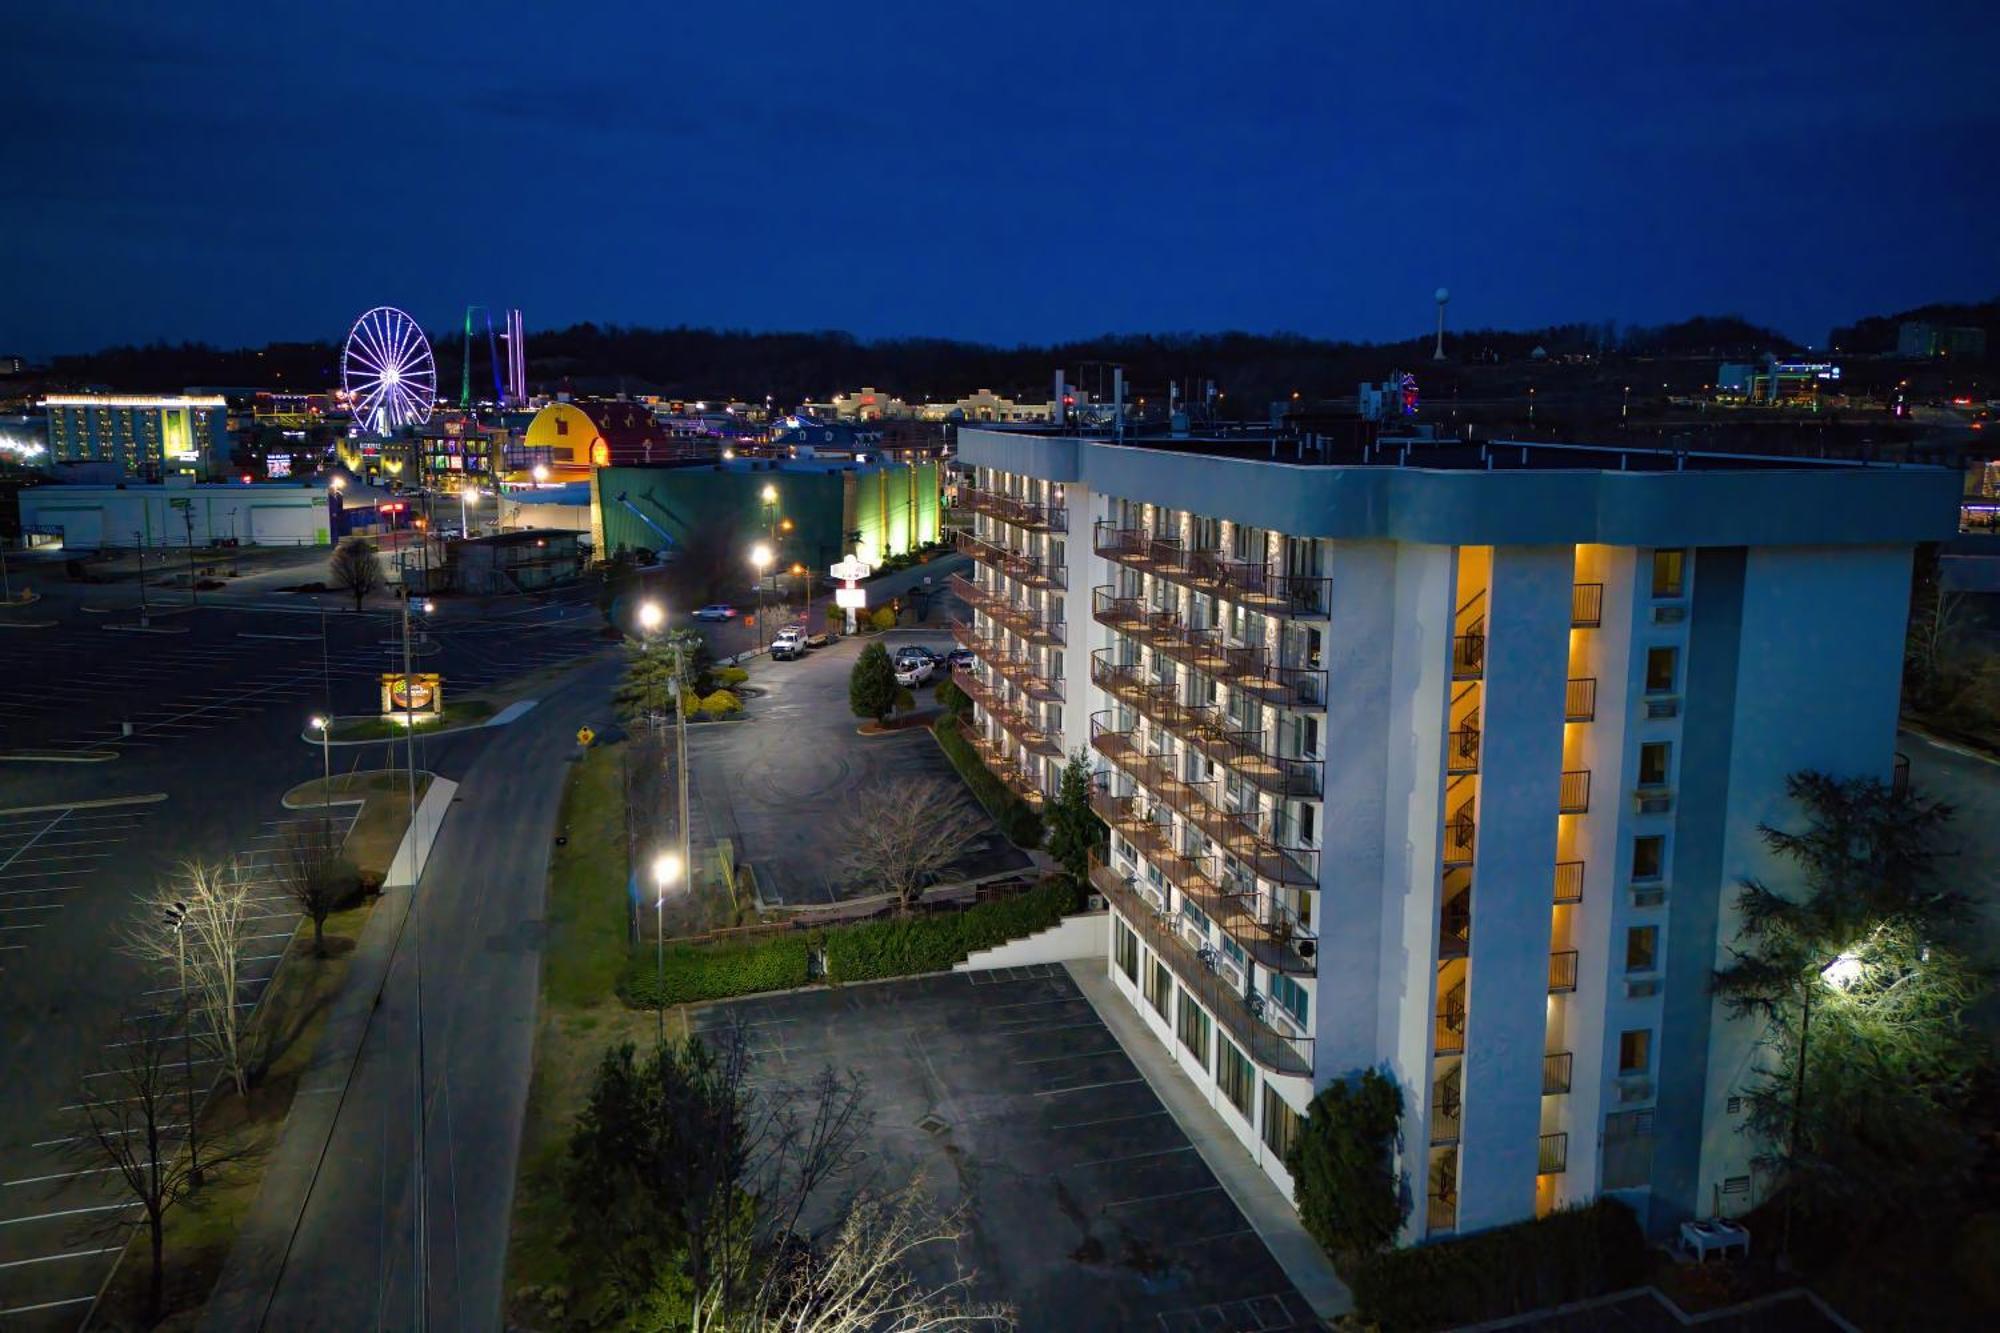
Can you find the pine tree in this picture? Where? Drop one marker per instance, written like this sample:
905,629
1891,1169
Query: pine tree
1074,828
871,688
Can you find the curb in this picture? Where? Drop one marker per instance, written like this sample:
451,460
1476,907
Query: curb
67,757
147,629
150,798
27,624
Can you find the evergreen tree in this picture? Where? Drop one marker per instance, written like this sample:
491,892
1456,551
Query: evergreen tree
1074,828
871,687
1343,1168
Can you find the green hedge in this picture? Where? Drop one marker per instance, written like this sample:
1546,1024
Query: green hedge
1567,1256
867,952
1021,824
941,940
715,971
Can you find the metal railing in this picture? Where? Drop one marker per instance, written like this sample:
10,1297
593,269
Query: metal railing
1586,606
1255,584
1206,728
1265,841
1017,670
1455,920
1580,700
1562,971
1468,655
1555,1073
1030,571
1205,650
1440,1214
1449,1035
1235,1012
1554,1159
1013,718
1569,881
1460,834
1001,764
1037,629
1573,798
1461,751
1020,513
1447,1110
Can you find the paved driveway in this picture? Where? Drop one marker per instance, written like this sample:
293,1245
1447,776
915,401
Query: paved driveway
778,782
1086,1205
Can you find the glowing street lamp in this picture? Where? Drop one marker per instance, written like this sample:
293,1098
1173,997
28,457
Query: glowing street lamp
324,726
541,473
1841,971
651,616
666,870
760,556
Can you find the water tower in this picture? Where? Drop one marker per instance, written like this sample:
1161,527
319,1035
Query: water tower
1443,295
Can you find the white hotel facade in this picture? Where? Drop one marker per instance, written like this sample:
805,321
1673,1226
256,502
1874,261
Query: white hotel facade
1443,759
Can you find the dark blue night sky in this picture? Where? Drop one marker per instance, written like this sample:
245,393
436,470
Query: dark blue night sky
1007,172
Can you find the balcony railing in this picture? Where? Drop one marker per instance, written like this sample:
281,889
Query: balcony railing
1569,881
1586,606
1031,626
1460,835
1027,570
1562,971
1461,751
1580,700
1468,655
1239,666
1554,1155
1000,762
1555,1073
1440,1214
1269,1047
1268,932
1020,513
1447,1110
1573,798
1014,719
1016,669
1262,840
1206,728
1450,1030
1254,584
1455,918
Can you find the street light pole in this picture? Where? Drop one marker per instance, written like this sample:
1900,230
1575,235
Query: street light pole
760,557
177,918
324,725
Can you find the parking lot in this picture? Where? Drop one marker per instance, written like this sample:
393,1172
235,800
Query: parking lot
1087,1207
779,783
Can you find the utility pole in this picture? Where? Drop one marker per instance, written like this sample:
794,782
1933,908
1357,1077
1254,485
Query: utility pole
187,517
417,968
139,540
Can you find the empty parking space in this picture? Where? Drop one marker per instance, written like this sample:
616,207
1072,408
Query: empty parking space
1087,1205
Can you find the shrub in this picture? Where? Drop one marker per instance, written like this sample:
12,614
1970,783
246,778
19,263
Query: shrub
721,704
1567,1256
1342,1166
1017,820
730,677
953,700
938,941
882,618
716,971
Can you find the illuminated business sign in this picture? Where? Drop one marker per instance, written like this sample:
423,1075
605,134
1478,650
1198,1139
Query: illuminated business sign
418,696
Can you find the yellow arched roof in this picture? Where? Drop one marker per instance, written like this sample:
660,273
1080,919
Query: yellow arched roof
566,431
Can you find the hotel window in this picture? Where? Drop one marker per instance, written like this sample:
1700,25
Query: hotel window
1649,856
1281,1122
1159,988
1668,569
1245,543
1642,949
1291,997
1194,1028
1207,534
1661,664
1128,952
1635,1051
1655,762
1234,1076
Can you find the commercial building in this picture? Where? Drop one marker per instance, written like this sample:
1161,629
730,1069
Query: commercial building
1920,338
147,437
569,439
90,518
1444,759
871,404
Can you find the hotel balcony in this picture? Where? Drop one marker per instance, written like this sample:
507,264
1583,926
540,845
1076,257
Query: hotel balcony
1461,751
1206,728
1450,1030
1035,628
1440,1214
1562,971
1000,761
1555,1073
1461,833
1573,797
1263,841
1455,917
1580,700
1027,570
1240,667
1014,718
1586,606
1019,513
1269,933
1569,882
1247,583
1267,1046
1554,1158
1016,669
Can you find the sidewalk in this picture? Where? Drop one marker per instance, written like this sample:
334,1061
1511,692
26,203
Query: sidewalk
1269,1213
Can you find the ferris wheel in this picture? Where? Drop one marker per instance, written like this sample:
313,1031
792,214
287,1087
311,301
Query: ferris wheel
387,370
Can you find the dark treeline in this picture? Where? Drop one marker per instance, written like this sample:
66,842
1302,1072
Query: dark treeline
1877,333
1251,370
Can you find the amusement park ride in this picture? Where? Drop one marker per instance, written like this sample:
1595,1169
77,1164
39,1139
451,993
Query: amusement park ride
390,375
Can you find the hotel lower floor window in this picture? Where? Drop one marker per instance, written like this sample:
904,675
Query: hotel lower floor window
1281,1122
1159,988
1127,951
1234,1075
1194,1028
1290,995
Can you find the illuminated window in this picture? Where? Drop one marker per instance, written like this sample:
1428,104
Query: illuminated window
1655,761
1661,669
1635,1051
1668,568
1642,948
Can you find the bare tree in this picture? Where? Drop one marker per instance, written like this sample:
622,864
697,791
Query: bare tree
129,1134
901,833
196,928
355,568
311,870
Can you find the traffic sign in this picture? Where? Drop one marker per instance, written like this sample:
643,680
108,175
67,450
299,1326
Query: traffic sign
584,736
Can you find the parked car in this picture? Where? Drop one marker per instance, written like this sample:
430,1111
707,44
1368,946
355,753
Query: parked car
960,659
717,611
913,669
790,643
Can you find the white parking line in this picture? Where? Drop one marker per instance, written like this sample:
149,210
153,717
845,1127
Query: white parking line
69,1212
68,1254
46,1305
1086,1087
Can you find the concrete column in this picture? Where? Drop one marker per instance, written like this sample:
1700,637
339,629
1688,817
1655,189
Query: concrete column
1520,773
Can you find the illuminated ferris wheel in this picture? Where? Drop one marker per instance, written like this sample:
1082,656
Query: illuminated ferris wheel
388,373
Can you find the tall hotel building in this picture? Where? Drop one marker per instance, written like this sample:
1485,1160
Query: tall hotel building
148,437
1443,759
